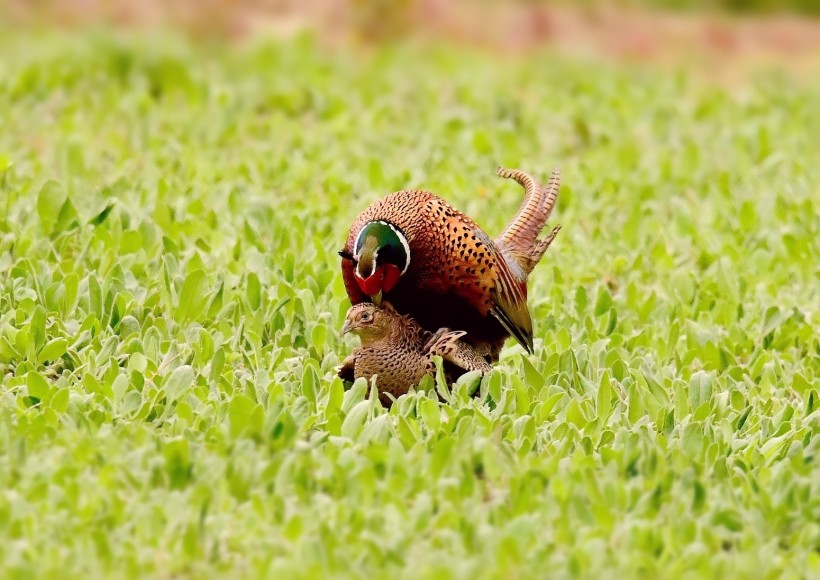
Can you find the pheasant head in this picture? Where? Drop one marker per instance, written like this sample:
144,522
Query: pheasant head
381,255
370,322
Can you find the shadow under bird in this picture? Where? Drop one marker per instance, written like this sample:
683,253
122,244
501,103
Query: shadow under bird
399,352
435,264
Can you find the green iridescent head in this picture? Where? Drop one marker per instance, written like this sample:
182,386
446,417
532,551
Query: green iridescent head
381,255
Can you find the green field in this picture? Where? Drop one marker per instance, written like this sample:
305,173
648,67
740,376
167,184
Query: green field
170,301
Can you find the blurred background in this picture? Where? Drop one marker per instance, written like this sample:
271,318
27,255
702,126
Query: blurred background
780,32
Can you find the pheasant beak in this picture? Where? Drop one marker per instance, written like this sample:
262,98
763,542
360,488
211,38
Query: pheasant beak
377,298
346,327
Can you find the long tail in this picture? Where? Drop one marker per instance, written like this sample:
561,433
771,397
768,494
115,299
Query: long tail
522,231
520,238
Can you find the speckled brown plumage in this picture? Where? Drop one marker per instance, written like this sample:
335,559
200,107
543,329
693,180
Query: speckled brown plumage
400,352
457,276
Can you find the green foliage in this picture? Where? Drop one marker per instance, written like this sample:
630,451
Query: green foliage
170,300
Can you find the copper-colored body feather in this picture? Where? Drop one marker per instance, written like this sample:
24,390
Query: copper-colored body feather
457,276
399,352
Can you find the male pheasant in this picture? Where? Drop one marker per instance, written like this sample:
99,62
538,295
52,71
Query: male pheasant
399,352
437,265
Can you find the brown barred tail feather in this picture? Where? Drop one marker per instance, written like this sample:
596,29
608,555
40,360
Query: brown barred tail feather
541,247
519,236
551,193
520,239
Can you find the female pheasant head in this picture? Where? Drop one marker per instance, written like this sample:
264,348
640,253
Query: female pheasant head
369,322
381,255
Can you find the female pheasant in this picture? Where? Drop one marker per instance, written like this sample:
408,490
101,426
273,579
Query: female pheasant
437,265
399,352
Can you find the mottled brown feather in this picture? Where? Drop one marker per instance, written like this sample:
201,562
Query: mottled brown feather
399,352
452,349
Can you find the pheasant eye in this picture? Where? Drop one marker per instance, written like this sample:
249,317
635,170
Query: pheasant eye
367,317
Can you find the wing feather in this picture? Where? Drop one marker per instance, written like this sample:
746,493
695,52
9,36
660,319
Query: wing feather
509,296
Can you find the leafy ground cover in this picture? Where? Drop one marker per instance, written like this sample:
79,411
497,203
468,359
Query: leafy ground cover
170,303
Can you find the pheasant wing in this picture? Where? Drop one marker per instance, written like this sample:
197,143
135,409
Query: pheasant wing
495,285
464,356
509,298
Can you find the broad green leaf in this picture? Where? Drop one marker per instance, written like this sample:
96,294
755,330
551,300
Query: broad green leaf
635,407
53,349
430,413
193,297
8,352
37,386
59,401
180,380
239,414
575,415
550,404
130,403
442,386
319,337
71,285
37,328
352,424
253,291
217,364
612,322
310,383
700,389
50,200
95,300
532,376
580,300
604,301
693,440
129,326
335,396
67,218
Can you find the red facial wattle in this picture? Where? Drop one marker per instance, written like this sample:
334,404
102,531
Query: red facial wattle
373,283
391,277
383,279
